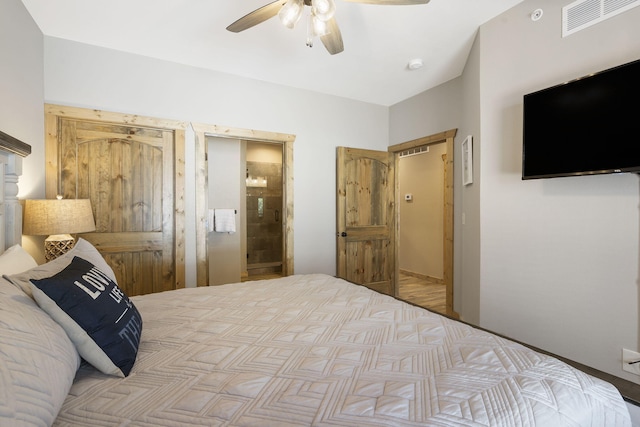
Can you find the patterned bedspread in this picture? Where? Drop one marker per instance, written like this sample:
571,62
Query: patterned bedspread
315,350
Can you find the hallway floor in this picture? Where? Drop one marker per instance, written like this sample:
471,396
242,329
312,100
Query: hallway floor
423,292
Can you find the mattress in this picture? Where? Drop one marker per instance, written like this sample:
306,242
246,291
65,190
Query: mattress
316,350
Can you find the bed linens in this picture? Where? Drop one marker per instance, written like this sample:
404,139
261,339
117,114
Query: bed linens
38,361
315,350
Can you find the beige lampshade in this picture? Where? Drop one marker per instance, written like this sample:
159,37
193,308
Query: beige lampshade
53,216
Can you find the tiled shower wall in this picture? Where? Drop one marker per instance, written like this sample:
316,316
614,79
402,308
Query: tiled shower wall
264,234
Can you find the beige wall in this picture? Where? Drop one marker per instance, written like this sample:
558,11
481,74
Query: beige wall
559,257
421,219
264,152
551,262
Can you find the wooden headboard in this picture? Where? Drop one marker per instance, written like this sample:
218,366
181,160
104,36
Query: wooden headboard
12,151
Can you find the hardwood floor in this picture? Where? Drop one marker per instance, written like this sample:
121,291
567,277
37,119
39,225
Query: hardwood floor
423,292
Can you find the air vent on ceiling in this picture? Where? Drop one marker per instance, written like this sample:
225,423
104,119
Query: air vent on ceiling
584,13
415,151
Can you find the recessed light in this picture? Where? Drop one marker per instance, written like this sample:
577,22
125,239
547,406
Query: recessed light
414,64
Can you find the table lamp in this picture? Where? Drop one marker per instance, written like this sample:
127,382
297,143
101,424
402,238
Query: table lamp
57,218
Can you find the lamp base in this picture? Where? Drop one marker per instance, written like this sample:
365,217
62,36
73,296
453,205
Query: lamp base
56,245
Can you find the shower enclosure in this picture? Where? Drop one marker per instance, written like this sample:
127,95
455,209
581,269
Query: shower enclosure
264,209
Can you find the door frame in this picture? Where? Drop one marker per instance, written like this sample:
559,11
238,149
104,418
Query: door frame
202,131
446,137
54,112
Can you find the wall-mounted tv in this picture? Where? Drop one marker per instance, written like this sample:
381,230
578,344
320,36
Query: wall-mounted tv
586,126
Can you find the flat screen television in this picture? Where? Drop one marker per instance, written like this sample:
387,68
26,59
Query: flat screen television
587,126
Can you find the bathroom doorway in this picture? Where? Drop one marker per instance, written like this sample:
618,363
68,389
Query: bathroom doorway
205,155
264,207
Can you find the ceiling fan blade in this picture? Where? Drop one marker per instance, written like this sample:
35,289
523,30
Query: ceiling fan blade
256,17
333,39
390,2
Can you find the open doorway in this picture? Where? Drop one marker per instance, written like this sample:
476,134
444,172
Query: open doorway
421,180
203,156
446,138
264,206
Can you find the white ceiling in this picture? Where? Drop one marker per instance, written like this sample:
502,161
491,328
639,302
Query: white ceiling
379,40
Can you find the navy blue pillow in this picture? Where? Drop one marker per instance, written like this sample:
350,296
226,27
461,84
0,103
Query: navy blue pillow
99,318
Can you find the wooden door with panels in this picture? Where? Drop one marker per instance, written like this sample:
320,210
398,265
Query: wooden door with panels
130,168
366,218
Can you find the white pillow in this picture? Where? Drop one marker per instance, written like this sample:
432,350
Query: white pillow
82,249
16,260
38,361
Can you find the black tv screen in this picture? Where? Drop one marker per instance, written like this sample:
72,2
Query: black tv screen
587,126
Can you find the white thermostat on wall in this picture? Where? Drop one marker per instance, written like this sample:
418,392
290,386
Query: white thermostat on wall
408,197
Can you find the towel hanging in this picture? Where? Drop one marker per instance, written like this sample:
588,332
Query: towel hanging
224,220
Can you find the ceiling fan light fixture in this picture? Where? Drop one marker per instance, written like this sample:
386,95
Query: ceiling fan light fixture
323,9
310,31
291,12
315,28
319,26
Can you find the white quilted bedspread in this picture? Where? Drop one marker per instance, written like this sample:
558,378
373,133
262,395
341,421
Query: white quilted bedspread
314,350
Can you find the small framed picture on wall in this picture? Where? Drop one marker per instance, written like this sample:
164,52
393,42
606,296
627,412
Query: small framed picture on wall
467,160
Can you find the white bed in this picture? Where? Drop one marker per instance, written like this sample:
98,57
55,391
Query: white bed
297,351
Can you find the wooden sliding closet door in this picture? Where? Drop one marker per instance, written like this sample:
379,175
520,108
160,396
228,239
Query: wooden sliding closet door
129,173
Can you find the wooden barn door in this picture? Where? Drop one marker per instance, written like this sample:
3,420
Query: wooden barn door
129,172
366,231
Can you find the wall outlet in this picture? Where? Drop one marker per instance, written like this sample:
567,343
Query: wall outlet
629,356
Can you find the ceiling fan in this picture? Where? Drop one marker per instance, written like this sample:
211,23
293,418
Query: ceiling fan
322,22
